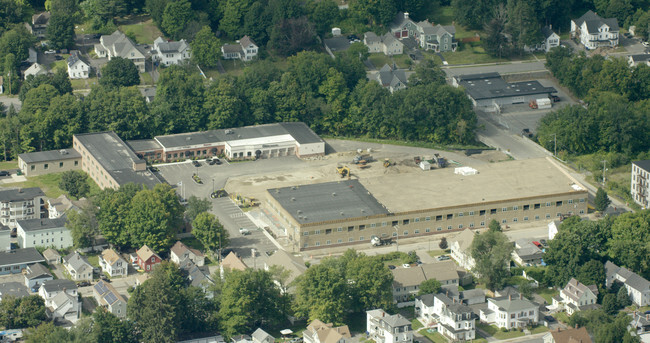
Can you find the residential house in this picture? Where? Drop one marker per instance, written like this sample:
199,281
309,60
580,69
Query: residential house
51,256
392,78
637,287
197,276
576,296
40,22
12,289
59,206
594,32
15,261
33,56
245,50
510,312
460,249
336,44
147,259
118,44
181,251
402,26
113,264
387,44
35,275
635,60
437,38
35,69
43,232
260,336
551,40
231,262
526,253
168,53
108,297
5,238
553,228
406,281
453,318
148,93
577,335
78,68
241,339
385,328
319,332
61,299
640,324
21,203
78,267
640,186
292,264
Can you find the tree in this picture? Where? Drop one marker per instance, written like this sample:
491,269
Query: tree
431,286
83,225
601,202
323,14
120,72
47,332
178,105
592,273
109,328
209,231
12,12
16,41
75,182
60,29
206,48
58,80
427,73
176,18
443,243
616,331
491,252
196,206
322,293
496,42
23,312
370,282
290,36
610,306
623,298
494,226
157,306
121,109
248,299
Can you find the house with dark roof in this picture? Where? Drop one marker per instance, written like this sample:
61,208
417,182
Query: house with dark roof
576,296
40,21
180,252
12,289
435,37
78,67
44,232
197,276
490,89
594,31
550,41
51,161
108,297
5,238
245,50
169,52
118,44
392,78
336,44
16,260
453,318
638,288
386,328
638,59
78,267
526,253
36,274
20,204
510,312
61,300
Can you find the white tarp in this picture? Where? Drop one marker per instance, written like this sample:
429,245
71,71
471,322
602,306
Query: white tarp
465,171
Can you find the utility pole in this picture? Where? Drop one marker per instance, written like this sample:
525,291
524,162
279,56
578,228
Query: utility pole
397,241
604,170
555,145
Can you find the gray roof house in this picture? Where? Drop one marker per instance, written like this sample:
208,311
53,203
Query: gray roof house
576,296
526,253
118,44
260,336
594,31
78,267
336,44
437,38
168,53
295,265
245,50
385,328
36,274
78,67
12,289
453,318
61,299
392,78
635,60
107,296
14,261
637,287
512,311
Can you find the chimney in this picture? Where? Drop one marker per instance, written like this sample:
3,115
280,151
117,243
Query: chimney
406,15
521,297
647,316
576,326
382,313
510,297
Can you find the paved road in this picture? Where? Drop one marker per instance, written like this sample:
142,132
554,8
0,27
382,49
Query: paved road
501,138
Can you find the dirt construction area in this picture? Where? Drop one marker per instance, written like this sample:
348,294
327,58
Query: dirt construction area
341,154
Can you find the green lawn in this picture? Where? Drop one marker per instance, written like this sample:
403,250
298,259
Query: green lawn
193,243
83,83
145,79
435,337
547,294
416,325
497,333
379,60
470,53
93,260
8,165
443,16
144,31
434,253
62,64
538,329
50,184
561,316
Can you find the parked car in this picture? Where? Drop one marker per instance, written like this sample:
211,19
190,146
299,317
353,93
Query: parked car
443,258
555,98
244,231
646,44
153,169
5,173
526,133
83,284
50,52
196,163
406,265
544,243
538,244
390,266
217,161
14,233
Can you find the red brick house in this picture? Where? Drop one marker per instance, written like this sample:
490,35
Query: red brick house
147,259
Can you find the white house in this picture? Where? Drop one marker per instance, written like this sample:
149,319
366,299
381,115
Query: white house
319,332
107,296
406,281
460,249
387,44
35,70
77,67
61,299
635,60
453,318
180,252
118,44
113,264
59,206
21,203
44,232
169,53
553,228
551,39
637,287
594,31
385,328
575,296
510,312
245,50
78,267
35,275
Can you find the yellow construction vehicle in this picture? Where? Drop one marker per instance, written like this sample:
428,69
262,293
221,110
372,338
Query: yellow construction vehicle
387,163
343,171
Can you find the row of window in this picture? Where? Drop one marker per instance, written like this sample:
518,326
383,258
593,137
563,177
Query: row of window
47,241
7,269
47,166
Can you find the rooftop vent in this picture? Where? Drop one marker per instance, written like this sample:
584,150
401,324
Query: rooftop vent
63,152
333,194
342,213
299,211
228,131
188,138
293,199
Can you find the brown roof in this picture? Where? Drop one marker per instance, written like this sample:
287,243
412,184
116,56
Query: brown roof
246,41
327,333
51,254
464,239
233,262
294,264
572,336
110,256
179,249
145,253
441,271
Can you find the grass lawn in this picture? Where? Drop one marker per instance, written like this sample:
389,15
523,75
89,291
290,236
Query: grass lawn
8,165
561,316
93,260
62,64
83,83
479,340
434,253
443,16
145,79
145,31
379,60
547,294
50,184
233,67
416,325
435,337
538,329
470,53
192,242
450,147
497,333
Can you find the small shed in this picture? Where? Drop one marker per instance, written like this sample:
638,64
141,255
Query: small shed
51,256
465,171
425,165
336,31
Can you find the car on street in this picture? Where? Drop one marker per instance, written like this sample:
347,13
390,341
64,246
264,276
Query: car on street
406,265
526,133
244,231
646,44
443,258
50,52
83,284
5,173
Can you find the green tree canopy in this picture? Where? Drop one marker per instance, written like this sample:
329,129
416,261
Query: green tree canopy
83,225
196,206
75,182
176,18
491,252
431,286
206,48
60,29
16,313
601,202
209,231
120,72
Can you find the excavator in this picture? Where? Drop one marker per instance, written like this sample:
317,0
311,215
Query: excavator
343,171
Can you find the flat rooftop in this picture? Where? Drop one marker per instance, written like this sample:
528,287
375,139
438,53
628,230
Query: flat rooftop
494,182
42,223
327,201
51,155
20,194
20,256
144,145
492,85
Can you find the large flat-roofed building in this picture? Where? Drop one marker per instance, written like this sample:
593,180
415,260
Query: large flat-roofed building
489,89
110,162
47,162
639,186
419,204
21,203
260,141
